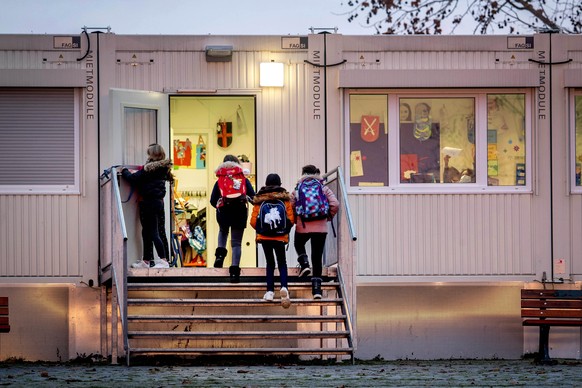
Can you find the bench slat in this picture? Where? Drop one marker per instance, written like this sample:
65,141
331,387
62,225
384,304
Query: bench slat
552,313
562,294
551,322
551,303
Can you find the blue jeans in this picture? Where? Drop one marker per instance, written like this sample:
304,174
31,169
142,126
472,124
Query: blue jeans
272,249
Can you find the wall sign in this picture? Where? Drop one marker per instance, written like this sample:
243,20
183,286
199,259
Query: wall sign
520,42
67,42
296,42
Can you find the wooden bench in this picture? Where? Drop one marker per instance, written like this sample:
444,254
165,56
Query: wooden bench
546,308
4,322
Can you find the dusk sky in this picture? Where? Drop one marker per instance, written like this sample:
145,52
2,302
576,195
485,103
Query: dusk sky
181,17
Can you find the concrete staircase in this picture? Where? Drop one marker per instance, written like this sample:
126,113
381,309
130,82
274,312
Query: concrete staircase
201,313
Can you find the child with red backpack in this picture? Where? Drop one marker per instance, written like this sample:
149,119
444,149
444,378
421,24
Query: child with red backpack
230,198
273,218
314,204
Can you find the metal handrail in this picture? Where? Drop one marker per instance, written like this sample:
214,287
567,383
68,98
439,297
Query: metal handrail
342,187
123,297
119,262
348,214
346,306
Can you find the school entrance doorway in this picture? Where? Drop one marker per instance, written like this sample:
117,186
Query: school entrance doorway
203,129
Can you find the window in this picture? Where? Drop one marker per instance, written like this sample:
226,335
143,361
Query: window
368,140
576,114
38,140
435,131
506,140
445,141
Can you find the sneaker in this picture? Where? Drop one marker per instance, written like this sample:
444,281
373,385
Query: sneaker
285,301
159,263
269,295
304,272
140,264
316,296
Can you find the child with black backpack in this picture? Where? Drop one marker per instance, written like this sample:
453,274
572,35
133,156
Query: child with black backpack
273,218
314,204
230,198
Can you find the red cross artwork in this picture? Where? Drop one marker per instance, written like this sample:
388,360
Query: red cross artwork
224,133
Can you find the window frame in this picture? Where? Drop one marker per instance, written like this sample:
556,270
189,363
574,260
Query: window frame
64,189
481,125
572,120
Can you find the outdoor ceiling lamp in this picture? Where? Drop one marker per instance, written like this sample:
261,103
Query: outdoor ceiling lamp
218,53
272,74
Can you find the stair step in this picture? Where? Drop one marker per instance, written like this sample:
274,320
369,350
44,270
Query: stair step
229,302
235,318
218,286
242,351
230,335
210,272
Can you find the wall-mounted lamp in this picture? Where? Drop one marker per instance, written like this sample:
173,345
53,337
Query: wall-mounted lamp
272,74
218,53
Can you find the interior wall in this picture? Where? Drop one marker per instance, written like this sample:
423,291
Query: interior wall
439,322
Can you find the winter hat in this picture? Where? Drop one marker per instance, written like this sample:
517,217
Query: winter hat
273,180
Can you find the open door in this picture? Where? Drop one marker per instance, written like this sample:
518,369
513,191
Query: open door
138,119
203,130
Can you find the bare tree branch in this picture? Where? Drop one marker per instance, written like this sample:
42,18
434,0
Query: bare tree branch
483,16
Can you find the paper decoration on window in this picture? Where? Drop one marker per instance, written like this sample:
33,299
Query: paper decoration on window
408,166
492,168
370,128
356,166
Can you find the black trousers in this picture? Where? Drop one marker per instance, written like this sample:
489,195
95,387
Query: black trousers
152,218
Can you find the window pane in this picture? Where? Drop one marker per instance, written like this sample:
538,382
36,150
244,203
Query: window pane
578,113
368,140
506,140
435,129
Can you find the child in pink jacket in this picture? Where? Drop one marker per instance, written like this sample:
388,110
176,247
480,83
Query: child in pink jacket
314,230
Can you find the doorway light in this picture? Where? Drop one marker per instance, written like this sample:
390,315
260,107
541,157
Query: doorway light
218,53
272,74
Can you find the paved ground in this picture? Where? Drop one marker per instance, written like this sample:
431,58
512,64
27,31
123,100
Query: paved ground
457,373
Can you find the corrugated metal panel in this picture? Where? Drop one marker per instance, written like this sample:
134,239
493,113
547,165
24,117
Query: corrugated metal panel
40,236
438,78
434,60
444,235
37,78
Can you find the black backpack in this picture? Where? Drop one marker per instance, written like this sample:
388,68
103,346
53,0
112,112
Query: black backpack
272,219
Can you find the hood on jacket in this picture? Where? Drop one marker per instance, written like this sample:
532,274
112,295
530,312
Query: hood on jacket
271,192
158,164
227,165
307,176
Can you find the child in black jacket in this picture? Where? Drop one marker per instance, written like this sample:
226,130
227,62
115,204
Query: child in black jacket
150,183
